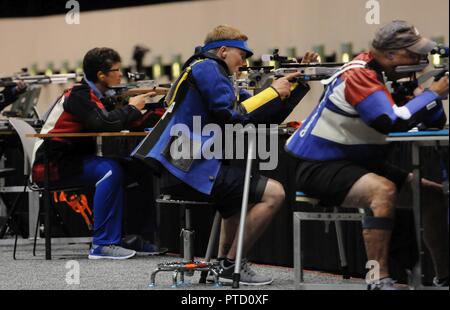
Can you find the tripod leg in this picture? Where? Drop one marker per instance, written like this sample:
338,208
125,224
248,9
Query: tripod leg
15,245
36,231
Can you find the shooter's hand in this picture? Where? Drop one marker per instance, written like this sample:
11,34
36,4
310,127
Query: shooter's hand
310,57
283,85
139,101
20,88
440,87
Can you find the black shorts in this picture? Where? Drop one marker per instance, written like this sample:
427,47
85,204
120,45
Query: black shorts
227,191
331,181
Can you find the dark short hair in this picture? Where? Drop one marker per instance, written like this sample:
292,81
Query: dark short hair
99,59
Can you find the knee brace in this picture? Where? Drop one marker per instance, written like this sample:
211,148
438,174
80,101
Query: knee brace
382,223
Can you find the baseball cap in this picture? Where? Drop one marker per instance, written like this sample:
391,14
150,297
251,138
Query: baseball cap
399,34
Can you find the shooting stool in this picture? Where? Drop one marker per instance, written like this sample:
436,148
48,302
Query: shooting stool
188,266
326,217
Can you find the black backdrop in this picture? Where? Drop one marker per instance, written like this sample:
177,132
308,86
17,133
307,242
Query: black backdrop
276,244
28,8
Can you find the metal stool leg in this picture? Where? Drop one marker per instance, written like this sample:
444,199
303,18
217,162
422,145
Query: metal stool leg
298,259
36,231
188,238
211,243
15,245
153,277
341,248
174,279
187,266
181,282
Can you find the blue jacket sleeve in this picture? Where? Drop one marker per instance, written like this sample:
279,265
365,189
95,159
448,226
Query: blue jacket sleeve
218,92
244,95
379,111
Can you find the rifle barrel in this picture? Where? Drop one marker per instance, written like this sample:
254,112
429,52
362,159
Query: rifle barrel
160,91
325,64
38,79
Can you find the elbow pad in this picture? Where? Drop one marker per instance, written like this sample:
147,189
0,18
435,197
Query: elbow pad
385,125
382,124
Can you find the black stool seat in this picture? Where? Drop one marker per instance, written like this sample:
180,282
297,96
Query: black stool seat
302,197
4,172
313,201
170,199
55,188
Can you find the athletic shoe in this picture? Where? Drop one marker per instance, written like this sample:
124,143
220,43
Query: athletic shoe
247,275
110,252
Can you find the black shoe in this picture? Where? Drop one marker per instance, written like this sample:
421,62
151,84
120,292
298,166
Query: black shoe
138,244
440,283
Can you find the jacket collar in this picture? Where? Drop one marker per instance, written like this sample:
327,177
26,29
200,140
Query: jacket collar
207,55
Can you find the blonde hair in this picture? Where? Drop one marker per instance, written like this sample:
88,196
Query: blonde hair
225,32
